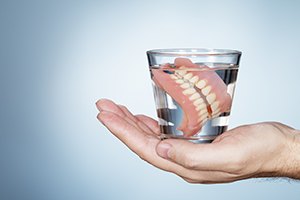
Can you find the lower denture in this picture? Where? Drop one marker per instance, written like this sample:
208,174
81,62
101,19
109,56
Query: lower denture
181,91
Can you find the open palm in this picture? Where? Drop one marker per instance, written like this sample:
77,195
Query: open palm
256,150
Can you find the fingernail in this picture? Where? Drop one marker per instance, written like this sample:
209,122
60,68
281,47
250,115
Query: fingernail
163,149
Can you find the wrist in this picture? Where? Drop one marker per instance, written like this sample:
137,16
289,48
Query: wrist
291,167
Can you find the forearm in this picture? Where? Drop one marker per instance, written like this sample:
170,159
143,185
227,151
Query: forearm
283,159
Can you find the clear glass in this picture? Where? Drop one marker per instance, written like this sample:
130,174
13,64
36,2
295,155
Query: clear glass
193,91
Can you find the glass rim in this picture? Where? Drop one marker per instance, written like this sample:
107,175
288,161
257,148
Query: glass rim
193,52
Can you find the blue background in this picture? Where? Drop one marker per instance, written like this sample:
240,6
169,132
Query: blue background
58,57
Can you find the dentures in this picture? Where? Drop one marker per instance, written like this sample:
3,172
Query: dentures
202,94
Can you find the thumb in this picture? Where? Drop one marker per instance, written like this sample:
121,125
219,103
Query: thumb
191,155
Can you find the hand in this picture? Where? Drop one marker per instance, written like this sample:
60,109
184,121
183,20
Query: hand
258,150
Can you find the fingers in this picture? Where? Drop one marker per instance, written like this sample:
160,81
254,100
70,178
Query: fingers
122,111
110,106
138,122
126,132
128,113
151,123
195,156
142,144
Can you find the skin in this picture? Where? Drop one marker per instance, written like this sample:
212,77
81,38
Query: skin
268,149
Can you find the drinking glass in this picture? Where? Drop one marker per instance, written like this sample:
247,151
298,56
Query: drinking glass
193,91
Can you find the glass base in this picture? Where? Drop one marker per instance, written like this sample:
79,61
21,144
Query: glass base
196,140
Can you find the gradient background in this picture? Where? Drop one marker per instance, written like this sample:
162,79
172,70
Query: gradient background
58,57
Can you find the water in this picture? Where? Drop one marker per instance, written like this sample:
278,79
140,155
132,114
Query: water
222,79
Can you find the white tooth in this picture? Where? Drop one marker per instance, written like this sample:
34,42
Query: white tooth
201,84
216,113
182,67
179,81
203,111
214,106
188,76
206,90
202,117
198,101
195,96
181,72
185,85
173,77
216,110
194,79
189,91
211,98
201,106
